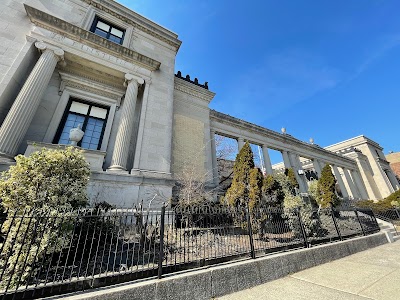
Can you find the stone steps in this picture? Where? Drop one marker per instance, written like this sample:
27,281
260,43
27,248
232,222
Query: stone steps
389,230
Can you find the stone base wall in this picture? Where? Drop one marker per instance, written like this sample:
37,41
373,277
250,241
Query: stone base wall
229,278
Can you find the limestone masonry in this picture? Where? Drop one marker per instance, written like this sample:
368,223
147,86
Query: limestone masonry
100,66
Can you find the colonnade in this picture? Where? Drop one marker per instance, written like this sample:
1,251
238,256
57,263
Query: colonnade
24,108
349,180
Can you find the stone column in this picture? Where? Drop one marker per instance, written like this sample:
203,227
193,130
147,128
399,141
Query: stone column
359,184
267,160
350,182
240,143
296,164
121,147
139,141
392,179
214,158
340,181
286,160
317,167
23,110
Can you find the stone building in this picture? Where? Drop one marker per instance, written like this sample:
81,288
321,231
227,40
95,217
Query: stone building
98,65
394,162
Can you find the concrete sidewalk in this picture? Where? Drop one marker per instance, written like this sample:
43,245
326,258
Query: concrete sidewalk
371,274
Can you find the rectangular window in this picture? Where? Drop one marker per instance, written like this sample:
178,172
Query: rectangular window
92,120
107,31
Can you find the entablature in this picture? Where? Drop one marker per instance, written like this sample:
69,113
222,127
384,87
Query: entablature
193,90
73,32
137,21
233,127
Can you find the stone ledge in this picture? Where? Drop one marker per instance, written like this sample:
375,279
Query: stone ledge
224,279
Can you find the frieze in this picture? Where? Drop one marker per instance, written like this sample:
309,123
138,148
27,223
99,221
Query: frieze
92,74
150,31
73,81
75,33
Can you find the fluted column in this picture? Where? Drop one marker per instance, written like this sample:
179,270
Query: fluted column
23,110
121,148
240,143
214,158
340,181
267,160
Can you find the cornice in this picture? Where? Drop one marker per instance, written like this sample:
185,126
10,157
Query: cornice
284,139
193,90
54,24
137,21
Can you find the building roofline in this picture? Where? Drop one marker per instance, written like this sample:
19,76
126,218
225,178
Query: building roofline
129,16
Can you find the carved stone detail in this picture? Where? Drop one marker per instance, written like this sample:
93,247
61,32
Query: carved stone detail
193,90
51,23
175,43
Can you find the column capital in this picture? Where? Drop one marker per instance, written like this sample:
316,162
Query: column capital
130,77
58,52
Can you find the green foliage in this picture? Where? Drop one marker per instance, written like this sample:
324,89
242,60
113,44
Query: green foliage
47,184
47,178
393,200
326,188
238,193
255,187
294,204
313,192
292,179
272,192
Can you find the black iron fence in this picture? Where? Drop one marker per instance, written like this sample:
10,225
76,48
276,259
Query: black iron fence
47,252
391,216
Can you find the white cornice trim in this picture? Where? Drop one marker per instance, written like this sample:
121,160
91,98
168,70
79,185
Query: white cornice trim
193,90
138,21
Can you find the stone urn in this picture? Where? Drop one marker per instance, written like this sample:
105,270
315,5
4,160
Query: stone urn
75,135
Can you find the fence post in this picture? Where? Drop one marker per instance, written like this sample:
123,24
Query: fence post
161,250
302,227
359,221
336,225
252,252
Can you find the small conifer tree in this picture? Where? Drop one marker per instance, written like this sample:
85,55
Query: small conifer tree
272,192
326,188
292,180
238,193
255,188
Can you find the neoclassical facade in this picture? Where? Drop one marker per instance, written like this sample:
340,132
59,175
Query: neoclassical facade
97,65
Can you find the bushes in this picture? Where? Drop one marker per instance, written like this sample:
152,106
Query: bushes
386,204
46,186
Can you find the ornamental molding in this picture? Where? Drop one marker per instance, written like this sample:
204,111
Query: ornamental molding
75,33
277,140
80,83
193,90
137,21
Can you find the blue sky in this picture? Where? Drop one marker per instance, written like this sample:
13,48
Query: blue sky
323,69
